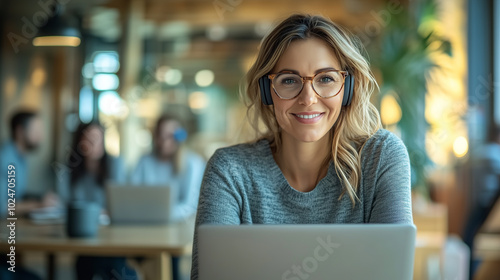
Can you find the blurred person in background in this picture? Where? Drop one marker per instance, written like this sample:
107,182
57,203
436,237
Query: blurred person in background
485,165
172,165
26,131
90,169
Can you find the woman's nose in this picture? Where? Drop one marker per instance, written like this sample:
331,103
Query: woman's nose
308,96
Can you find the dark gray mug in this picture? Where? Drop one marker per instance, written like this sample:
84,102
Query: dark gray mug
82,219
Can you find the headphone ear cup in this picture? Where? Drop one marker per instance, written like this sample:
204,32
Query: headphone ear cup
180,135
348,90
265,93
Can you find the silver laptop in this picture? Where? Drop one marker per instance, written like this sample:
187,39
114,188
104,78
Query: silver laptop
294,252
139,204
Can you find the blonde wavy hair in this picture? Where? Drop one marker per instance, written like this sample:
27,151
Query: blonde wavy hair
356,122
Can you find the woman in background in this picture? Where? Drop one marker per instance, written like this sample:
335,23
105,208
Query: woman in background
91,168
171,165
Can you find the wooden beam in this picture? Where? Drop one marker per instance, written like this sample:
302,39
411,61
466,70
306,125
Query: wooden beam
131,64
198,12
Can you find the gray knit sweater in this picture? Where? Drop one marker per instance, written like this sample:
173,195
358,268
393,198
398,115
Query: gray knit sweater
244,185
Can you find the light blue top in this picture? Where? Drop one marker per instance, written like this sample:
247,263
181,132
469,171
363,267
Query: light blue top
185,186
9,154
87,188
244,185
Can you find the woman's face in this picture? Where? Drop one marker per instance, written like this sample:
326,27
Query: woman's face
307,57
165,143
91,144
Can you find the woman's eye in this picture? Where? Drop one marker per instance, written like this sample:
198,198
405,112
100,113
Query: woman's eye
326,79
289,81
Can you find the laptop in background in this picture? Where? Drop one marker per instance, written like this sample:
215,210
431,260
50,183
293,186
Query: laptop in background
293,252
139,204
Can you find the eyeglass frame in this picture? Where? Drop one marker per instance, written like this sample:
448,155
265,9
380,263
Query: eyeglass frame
344,73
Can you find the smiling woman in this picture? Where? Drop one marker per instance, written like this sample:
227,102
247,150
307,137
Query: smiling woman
323,157
308,117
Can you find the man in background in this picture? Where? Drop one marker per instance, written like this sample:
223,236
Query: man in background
485,167
26,131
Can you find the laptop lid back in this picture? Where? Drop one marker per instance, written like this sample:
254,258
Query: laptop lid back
297,252
139,204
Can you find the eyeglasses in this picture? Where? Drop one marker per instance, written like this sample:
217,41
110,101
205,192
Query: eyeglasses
326,84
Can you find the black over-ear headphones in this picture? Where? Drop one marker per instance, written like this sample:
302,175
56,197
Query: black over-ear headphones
265,90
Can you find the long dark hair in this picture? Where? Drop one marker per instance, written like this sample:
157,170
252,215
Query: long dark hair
77,159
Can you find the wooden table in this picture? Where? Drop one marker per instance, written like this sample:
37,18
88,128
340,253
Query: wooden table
153,241
432,231
487,241
487,246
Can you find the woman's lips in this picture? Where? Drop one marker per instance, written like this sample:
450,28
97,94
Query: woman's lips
308,118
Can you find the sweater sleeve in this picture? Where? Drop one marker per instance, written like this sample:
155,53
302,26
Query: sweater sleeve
219,203
392,194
